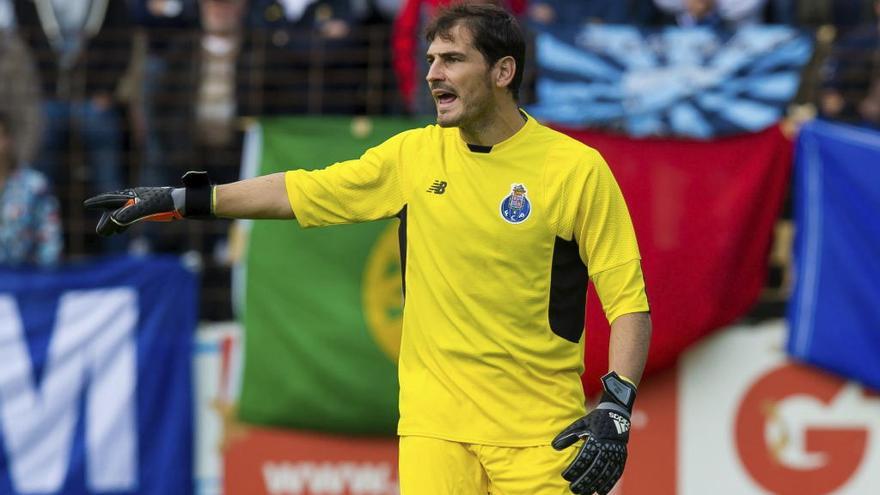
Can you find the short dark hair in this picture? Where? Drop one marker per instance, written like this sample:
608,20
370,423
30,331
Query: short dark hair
496,34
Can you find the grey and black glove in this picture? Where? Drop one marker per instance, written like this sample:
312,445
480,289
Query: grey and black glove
605,432
154,204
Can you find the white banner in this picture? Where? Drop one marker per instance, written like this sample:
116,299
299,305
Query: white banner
750,421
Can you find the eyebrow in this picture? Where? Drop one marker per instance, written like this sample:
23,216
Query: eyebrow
445,54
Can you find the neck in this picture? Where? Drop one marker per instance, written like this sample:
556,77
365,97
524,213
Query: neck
502,121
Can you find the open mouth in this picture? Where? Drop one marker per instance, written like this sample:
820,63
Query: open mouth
444,98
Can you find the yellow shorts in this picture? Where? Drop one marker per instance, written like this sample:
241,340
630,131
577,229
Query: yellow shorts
429,466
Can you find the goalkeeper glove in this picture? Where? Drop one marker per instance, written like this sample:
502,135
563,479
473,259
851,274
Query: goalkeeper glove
605,431
155,204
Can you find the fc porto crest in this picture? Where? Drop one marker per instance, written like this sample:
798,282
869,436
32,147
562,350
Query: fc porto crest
515,208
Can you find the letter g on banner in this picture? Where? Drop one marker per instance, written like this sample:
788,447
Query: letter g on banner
813,460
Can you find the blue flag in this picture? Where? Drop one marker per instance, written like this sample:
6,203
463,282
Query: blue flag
688,82
834,314
95,378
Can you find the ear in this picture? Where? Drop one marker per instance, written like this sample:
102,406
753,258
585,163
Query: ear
505,69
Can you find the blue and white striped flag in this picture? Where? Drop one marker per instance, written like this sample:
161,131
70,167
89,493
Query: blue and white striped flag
688,82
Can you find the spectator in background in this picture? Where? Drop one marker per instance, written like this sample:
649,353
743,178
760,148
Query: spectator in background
546,12
84,49
408,46
30,228
714,13
219,48
20,92
844,15
851,75
311,63
386,10
161,22
375,21
161,26
189,103
192,98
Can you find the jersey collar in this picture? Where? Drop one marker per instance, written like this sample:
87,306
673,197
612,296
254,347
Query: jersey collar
517,137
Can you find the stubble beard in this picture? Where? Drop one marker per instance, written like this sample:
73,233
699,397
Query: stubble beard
446,123
471,117
445,120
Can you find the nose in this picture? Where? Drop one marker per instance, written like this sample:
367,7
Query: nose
435,73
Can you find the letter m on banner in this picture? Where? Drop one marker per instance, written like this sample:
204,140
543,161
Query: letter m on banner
93,340
95,393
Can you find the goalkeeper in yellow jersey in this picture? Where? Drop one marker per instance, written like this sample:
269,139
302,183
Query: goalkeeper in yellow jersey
503,221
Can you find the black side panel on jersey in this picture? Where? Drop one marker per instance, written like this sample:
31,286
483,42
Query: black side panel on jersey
401,240
568,291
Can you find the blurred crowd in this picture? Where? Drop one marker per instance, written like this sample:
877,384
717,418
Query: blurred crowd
96,95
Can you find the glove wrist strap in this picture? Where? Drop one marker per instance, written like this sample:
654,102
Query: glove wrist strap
197,200
618,391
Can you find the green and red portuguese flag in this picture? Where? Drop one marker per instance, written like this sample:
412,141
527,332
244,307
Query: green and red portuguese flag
323,306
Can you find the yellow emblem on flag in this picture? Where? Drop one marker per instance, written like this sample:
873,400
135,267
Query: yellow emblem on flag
382,292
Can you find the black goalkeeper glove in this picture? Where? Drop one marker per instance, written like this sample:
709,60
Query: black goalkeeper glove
155,204
605,431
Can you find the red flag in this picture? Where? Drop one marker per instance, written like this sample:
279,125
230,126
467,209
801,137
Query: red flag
704,213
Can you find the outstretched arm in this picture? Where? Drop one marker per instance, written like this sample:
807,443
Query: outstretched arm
259,197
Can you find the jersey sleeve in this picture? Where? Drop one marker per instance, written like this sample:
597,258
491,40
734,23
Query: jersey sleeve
621,290
596,213
351,191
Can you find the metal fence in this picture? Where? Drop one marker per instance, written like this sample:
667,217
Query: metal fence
184,101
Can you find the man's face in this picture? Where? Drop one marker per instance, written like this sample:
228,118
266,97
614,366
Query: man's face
222,16
459,79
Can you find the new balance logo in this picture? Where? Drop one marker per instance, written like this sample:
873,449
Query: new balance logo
438,187
621,423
